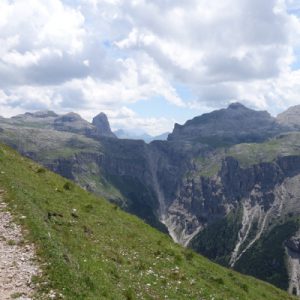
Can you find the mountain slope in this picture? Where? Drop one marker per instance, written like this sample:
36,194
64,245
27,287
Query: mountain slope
93,250
207,189
290,117
235,124
255,190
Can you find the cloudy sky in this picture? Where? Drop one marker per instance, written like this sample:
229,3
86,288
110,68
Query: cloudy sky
148,63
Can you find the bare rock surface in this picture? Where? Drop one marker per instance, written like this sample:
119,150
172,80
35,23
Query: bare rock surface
290,118
235,124
17,260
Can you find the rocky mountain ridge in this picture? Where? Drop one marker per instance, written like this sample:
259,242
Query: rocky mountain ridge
290,117
233,125
70,122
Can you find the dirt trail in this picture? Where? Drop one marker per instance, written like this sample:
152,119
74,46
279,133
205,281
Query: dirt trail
17,259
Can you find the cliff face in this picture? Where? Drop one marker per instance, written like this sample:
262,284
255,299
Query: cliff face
225,184
102,126
251,203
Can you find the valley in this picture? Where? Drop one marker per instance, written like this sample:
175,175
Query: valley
225,184
88,248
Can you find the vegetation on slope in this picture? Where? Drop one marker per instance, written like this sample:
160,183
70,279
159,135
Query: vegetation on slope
266,258
47,145
218,240
248,154
90,249
283,145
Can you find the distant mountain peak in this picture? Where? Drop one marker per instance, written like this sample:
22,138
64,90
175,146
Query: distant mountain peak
102,125
237,105
38,114
290,117
71,117
45,114
234,124
140,135
101,115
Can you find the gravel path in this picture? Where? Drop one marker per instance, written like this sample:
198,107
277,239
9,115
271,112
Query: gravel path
17,265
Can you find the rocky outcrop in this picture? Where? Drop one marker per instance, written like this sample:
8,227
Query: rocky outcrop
102,126
294,243
70,122
293,263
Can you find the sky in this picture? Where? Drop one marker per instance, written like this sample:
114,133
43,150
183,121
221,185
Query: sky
148,64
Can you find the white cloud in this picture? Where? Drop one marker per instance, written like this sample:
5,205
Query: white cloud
42,23
153,126
222,50
140,80
213,41
127,119
293,4
28,58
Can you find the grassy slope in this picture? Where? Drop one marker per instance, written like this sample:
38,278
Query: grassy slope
95,251
283,145
249,154
48,145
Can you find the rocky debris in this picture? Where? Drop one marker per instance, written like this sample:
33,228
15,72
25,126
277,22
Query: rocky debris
264,187
17,260
293,263
250,214
102,126
294,244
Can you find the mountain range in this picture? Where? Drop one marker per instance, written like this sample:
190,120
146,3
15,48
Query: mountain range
225,184
88,248
139,135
